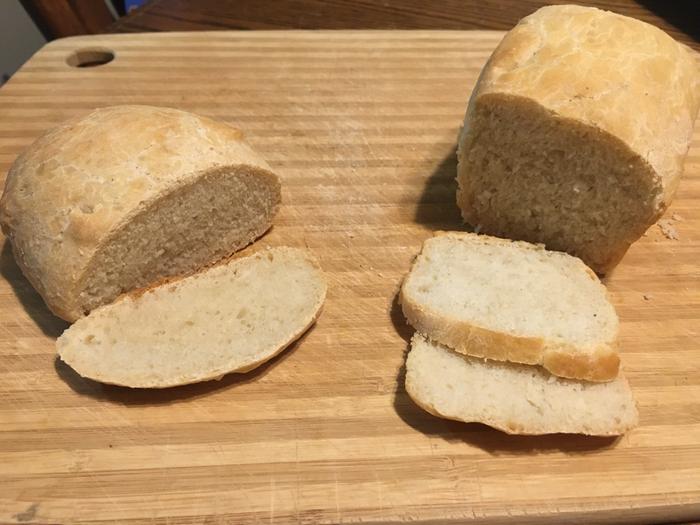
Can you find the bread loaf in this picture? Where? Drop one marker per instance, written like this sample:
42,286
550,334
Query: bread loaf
229,318
129,195
576,132
513,301
517,399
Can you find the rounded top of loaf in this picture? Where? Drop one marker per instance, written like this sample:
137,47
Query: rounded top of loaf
91,170
615,73
83,179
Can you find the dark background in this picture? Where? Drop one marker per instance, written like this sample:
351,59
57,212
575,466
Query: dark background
56,18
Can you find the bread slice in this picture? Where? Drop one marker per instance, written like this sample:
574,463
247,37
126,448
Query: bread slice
517,399
576,131
229,318
128,195
513,301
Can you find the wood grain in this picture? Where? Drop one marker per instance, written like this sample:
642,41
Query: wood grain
361,126
678,18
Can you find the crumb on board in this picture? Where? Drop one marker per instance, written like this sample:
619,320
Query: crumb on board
667,228
648,297
676,217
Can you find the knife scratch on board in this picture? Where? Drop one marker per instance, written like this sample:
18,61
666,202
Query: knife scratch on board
337,503
272,498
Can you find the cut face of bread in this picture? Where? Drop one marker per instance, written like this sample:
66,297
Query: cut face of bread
229,318
525,173
221,212
576,132
517,399
129,195
513,301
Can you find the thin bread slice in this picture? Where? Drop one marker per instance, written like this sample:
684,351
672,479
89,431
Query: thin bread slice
517,399
513,301
229,318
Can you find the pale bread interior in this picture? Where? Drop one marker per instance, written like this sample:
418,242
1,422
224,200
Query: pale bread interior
229,318
527,174
483,294
514,398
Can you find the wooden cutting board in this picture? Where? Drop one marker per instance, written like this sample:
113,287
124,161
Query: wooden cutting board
361,126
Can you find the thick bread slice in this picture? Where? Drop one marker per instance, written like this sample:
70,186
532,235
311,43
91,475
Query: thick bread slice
513,301
229,318
576,132
129,195
517,399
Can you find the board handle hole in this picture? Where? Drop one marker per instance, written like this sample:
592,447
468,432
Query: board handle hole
90,57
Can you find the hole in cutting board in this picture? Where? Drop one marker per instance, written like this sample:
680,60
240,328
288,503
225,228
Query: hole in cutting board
90,57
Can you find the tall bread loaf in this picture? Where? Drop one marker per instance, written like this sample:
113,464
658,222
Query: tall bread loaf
127,196
576,132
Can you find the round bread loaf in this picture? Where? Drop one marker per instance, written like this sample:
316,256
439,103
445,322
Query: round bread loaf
576,132
127,196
